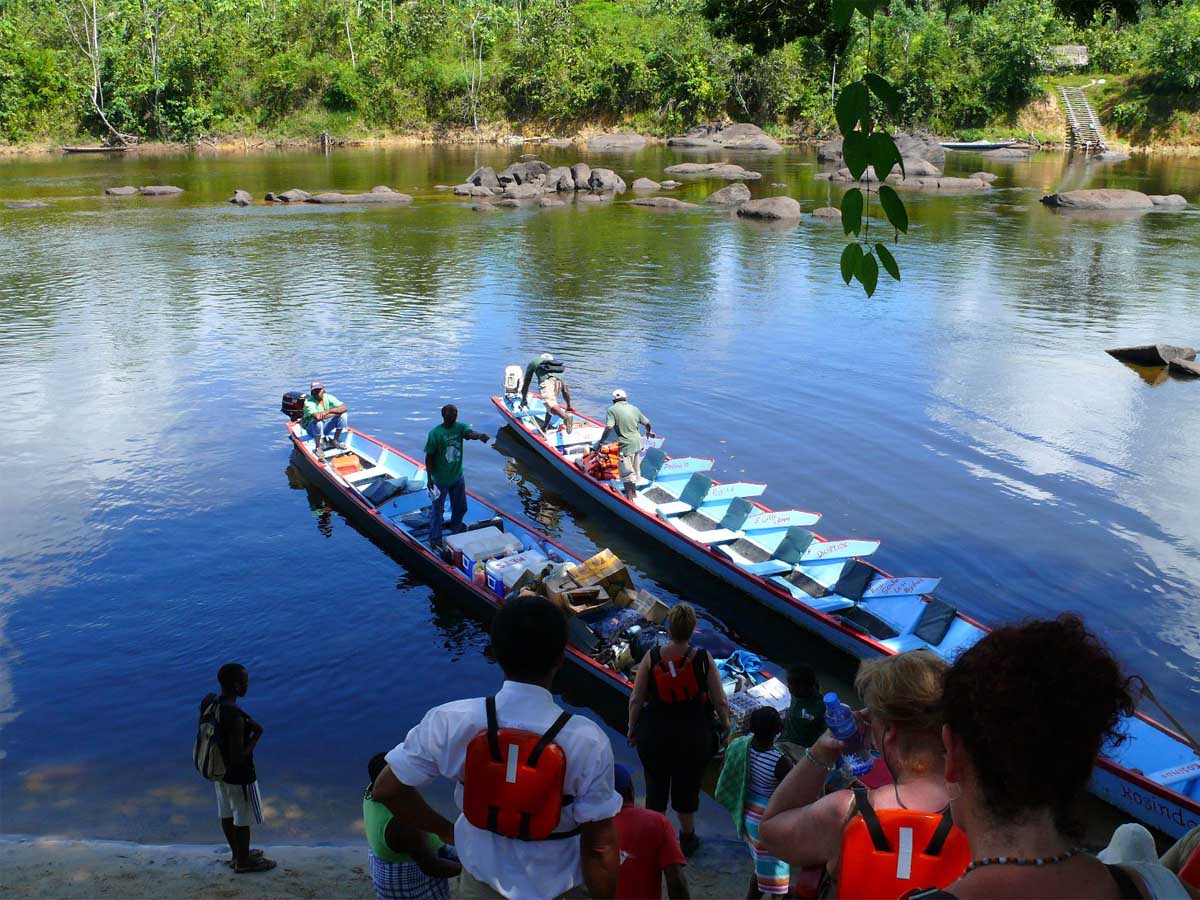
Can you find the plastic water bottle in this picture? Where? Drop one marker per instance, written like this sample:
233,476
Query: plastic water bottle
840,720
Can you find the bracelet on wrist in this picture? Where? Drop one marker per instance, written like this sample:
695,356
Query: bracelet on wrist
808,755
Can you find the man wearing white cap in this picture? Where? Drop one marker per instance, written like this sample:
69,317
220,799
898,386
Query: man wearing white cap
544,369
623,419
324,414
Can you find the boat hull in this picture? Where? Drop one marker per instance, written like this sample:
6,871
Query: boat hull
1151,354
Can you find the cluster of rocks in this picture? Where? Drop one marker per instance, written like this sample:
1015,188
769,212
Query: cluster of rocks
533,179
150,190
739,136
381,193
1101,199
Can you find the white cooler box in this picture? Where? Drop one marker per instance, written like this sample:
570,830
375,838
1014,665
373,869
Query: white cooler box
503,573
471,547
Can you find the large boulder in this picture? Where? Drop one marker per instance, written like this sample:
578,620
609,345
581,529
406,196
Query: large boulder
160,190
739,136
646,184
1008,153
1099,198
940,183
525,191
241,198
473,190
125,191
373,197
1168,201
831,152
733,195
622,140
484,176
606,181
560,179
662,203
829,213
771,208
295,195
728,171
582,173
914,166
523,172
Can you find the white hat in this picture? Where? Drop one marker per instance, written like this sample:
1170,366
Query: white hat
618,394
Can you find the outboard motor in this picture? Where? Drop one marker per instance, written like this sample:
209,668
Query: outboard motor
293,405
513,376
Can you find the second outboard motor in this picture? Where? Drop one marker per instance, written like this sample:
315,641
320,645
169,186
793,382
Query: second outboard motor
513,376
293,405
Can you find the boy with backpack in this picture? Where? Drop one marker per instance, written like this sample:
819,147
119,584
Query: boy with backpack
224,754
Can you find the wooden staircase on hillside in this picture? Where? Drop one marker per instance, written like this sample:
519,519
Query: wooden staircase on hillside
1083,128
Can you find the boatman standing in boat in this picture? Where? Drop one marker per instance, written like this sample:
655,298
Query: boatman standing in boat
623,420
324,414
546,370
444,462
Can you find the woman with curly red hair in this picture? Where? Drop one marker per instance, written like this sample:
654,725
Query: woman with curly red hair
1027,711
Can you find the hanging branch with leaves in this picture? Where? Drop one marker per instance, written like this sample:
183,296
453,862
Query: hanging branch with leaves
863,146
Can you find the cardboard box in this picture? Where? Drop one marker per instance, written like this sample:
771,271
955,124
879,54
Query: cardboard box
556,586
650,607
604,569
585,600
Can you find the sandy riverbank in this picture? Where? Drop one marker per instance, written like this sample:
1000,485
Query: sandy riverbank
59,869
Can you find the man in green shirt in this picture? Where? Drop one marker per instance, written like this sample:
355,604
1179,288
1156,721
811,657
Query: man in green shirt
324,414
544,370
623,420
444,462
805,720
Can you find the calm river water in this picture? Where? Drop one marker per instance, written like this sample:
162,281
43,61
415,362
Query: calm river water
149,529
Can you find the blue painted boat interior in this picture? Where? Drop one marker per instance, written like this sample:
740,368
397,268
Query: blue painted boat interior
897,612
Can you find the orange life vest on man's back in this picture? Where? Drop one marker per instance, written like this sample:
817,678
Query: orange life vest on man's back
1190,871
675,678
888,852
513,780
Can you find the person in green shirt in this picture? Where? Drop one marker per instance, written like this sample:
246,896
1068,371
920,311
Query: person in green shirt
623,420
405,862
545,371
805,721
444,462
324,414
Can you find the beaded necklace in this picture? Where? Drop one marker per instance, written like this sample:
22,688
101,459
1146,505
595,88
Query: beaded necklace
1021,861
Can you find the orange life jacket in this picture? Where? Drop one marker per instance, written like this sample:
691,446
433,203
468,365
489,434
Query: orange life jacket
1190,872
888,852
675,678
513,780
605,463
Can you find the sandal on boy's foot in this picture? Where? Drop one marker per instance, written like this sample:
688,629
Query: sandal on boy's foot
689,843
254,854
256,864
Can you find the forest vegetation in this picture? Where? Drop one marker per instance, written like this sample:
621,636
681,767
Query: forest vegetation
178,70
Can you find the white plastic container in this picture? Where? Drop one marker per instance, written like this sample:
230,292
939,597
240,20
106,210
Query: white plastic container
502,573
471,547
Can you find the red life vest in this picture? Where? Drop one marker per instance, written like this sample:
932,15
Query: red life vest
888,852
513,780
675,678
1190,871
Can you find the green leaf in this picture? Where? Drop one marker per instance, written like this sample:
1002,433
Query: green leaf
881,150
852,106
852,210
888,95
856,150
868,273
842,11
893,207
888,261
851,256
867,7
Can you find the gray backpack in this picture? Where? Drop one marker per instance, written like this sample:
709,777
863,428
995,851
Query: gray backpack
207,755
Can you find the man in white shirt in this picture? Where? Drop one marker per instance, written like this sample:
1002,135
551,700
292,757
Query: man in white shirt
529,638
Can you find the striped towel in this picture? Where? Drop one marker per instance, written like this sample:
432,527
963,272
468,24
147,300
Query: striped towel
773,874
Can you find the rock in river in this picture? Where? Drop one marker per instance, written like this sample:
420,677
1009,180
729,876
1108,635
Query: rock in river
525,191
728,171
771,208
831,213
581,172
126,191
473,190
646,184
734,195
484,176
1169,201
662,203
606,181
739,136
622,140
241,198
334,197
670,185
550,201
1099,198
160,190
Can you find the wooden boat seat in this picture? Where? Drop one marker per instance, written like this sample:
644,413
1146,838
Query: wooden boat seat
699,527
786,556
365,474
690,497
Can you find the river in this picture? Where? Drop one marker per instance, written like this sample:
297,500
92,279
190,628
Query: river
150,530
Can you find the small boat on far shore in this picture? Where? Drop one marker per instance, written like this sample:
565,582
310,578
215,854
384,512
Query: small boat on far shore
102,149
979,145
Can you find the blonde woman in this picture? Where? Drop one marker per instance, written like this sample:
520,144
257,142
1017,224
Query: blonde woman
903,721
675,693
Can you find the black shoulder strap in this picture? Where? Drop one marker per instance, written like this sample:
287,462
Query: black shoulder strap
938,840
493,729
1126,887
655,655
546,739
862,801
